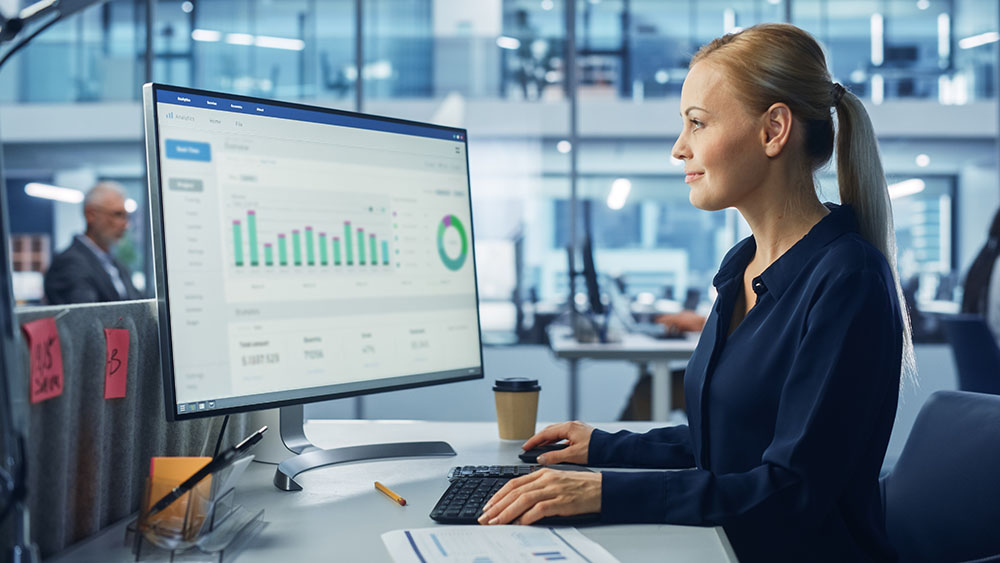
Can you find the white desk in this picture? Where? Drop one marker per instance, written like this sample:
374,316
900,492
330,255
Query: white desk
340,516
640,348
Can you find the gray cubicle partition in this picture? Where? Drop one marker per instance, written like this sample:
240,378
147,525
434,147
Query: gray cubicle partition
88,456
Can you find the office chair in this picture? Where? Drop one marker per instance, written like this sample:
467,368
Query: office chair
942,498
977,355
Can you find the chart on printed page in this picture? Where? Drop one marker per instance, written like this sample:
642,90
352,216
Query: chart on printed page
493,544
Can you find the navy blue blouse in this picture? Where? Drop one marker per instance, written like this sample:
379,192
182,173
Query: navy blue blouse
789,415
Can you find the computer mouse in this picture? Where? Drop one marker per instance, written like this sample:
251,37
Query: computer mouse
531,456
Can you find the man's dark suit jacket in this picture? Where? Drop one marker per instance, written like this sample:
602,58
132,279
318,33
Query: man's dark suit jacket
77,276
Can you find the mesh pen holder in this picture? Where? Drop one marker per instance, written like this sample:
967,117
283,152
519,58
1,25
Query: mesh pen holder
207,518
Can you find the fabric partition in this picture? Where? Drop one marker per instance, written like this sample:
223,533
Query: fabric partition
88,457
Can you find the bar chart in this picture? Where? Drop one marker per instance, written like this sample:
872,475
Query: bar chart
356,242
282,240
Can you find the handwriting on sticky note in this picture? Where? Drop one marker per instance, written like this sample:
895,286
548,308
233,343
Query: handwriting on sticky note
46,359
116,362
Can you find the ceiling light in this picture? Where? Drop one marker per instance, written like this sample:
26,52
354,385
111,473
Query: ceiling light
878,89
564,146
878,39
923,160
56,193
979,40
906,188
620,189
239,39
944,36
505,42
206,35
279,43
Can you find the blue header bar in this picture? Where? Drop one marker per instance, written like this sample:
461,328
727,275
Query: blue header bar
221,103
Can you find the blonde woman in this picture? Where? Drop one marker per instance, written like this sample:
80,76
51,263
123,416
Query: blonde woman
791,393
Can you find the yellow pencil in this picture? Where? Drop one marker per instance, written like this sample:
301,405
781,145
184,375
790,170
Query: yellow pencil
387,492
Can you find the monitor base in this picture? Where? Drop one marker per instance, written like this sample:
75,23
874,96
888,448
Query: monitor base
308,456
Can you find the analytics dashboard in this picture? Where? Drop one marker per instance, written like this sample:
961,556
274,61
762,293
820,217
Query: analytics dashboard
307,249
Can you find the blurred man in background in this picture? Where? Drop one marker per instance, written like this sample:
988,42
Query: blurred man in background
86,272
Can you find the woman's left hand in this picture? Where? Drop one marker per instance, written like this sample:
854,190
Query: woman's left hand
546,492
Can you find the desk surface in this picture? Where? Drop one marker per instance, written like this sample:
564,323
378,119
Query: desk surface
339,513
634,347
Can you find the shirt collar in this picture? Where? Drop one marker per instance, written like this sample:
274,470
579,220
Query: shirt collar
97,250
841,220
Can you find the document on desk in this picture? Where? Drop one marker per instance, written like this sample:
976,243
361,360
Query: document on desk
493,544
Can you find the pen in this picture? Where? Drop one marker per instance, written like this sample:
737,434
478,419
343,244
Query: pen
218,462
388,492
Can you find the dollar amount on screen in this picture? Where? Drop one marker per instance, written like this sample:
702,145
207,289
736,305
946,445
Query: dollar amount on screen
261,359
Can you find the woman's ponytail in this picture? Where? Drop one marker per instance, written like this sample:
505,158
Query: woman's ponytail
863,186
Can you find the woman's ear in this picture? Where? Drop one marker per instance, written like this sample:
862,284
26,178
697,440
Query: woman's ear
778,124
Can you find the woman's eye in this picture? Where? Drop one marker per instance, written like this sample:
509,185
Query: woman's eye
695,124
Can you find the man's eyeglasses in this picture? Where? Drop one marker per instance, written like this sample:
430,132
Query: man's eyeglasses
116,213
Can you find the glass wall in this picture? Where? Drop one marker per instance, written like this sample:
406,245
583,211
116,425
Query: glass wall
499,68
500,49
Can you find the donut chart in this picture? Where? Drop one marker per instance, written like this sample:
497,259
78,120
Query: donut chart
452,222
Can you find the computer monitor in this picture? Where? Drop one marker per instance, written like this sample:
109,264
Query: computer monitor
590,276
304,254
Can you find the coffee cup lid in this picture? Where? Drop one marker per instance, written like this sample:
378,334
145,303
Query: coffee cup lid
516,385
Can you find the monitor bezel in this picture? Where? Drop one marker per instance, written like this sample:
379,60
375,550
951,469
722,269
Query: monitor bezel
155,182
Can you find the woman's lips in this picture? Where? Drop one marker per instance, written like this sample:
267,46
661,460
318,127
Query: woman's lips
692,176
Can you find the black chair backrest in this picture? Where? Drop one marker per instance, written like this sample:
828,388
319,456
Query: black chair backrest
977,355
942,498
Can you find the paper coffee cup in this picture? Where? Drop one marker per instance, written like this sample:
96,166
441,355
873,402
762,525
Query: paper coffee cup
517,407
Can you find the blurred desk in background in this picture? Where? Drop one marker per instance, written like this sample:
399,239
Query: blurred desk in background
639,348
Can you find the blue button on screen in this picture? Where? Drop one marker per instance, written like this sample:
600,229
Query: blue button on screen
189,150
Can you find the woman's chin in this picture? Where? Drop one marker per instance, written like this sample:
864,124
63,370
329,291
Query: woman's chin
699,199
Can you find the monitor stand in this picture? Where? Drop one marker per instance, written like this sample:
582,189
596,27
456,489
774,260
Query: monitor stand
305,456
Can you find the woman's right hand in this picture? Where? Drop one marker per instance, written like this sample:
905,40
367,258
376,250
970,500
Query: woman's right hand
576,433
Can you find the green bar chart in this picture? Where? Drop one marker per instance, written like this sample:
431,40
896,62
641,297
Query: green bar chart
268,254
310,253
297,247
361,247
282,250
310,248
347,243
252,236
237,243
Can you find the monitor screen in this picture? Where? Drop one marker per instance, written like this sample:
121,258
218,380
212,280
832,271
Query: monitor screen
303,253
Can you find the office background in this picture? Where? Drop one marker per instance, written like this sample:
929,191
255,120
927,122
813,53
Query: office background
927,70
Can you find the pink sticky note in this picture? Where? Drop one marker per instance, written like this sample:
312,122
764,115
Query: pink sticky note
116,364
46,359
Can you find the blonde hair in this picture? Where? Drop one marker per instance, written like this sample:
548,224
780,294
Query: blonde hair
770,63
